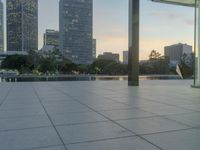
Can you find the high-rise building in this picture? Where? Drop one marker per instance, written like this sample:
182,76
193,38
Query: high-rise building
1,27
94,49
176,51
109,56
76,30
22,25
125,57
51,37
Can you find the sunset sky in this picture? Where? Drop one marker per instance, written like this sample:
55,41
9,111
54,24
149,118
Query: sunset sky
161,24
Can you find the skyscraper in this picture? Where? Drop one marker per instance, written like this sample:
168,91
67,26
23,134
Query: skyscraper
1,27
125,57
109,56
22,25
94,47
76,30
51,37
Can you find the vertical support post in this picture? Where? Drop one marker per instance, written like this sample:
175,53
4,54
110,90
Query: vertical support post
134,22
197,45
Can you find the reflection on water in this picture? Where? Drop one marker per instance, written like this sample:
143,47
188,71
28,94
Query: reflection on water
81,78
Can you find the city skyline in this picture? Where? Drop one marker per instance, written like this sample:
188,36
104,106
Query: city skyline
157,24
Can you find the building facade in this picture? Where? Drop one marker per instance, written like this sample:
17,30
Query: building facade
76,30
94,48
176,51
51,37
22,25
125,57
1,27
109,56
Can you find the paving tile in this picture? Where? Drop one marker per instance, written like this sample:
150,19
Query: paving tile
61,103
21,113
191,119
21,100
141,102
52,148
27,139
90,132
126,114
64,107
28,96
151,125
95,100
181,140
195,107
178,100
166,110
49,99
24,122
24,102
56,97
21,106
76,118
101,106
131,143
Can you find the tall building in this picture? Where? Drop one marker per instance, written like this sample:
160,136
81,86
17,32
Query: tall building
51,37
1,27
76,30
109,56
176,51
125,57
22,25
94,49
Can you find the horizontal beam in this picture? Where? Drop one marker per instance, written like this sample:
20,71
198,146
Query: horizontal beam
190,3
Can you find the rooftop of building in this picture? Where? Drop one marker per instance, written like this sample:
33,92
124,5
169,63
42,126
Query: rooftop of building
51,31
100,115
179,45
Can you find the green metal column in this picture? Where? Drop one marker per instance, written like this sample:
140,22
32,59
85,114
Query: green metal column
134,21
197,44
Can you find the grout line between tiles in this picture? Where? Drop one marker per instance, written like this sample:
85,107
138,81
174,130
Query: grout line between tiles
50,118
110,120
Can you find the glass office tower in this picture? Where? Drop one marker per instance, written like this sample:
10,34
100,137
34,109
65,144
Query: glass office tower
1,27
22,25
76,30
51,37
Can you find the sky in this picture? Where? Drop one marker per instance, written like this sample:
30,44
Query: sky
160,24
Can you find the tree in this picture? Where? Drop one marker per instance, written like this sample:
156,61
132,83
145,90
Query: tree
66,66
186,65
35,58
22,63
83,69
108,67
156,64
154,55
47,65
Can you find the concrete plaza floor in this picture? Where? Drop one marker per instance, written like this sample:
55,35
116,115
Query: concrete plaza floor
99,115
